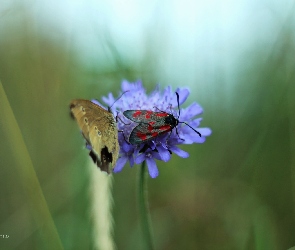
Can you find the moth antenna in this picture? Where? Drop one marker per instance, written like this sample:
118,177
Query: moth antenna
177,95
192,128
109,108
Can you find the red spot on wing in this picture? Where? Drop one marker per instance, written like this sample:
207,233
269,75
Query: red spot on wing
148,114
165,128
151,123
150,128
137,113
155,134
162,114
141,136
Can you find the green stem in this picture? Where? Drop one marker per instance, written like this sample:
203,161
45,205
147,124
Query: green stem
144,209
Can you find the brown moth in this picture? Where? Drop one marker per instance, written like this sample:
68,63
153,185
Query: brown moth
100,131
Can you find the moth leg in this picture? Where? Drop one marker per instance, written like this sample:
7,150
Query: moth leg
145,148
169,107
118,118
159,109
171,133
124,136
177,133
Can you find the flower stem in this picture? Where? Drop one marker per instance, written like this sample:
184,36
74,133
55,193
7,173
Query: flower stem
101,192
144,209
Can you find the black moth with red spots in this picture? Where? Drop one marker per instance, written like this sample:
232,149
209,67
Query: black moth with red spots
152,124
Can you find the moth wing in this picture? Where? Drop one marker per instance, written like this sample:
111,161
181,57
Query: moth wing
99,129
85,112
142,133
104,139
144,116
135,115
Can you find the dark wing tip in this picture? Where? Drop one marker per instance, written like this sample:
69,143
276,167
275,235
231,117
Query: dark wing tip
93,156
72,105
125,112
106,158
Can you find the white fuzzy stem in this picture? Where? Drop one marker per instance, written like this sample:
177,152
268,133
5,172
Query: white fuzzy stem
101,210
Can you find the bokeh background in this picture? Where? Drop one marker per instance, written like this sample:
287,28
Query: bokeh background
235,191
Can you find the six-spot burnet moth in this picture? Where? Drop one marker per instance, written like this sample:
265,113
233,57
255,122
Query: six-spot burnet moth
152,124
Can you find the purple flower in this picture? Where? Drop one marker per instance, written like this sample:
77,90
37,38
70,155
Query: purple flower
160,147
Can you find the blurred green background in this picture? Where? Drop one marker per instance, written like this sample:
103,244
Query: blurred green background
235,191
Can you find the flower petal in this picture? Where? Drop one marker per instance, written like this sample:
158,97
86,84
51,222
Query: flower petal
132,86
109,100
191,111
126,147
140,158
95,102
156,155
125,85
205,131
197,139
183,95
131,160
120,164
98,103
152,167
164,153
179,152
88,146
196,122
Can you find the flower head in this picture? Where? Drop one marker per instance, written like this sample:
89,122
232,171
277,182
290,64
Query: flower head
161,145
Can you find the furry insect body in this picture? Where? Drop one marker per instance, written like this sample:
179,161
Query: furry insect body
99,128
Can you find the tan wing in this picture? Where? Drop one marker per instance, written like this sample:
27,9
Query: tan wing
99,128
